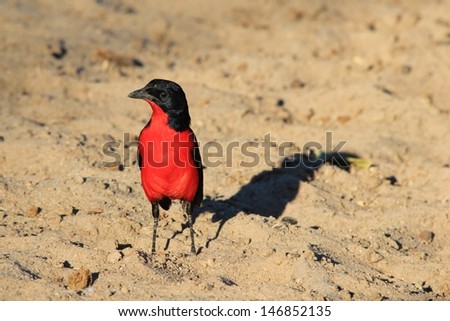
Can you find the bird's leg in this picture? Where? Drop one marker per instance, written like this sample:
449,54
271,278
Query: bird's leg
155,212
188,208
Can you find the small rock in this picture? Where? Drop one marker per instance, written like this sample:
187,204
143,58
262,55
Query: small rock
109,245
375,257
211,262
297,83
426,236
79,180
293,255
420,255
96,210
364,243
298,280
266,252
406,69
114,257
309,255
395,244
33,211
227,281
343,119
288,220
79,280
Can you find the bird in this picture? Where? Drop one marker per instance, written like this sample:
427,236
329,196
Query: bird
168,153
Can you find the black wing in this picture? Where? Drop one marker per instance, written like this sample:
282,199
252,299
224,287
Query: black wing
198,163
139,159
139,156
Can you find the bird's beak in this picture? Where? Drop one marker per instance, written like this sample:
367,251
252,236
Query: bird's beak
140,94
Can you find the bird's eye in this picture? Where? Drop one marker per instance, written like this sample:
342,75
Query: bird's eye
163,95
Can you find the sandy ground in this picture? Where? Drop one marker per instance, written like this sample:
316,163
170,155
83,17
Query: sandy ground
373,75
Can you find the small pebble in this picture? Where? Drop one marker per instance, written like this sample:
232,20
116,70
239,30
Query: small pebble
426,236
266,252
211,262
420,255
288,220
227,281
96,210
114,257
109,245
395,244
406,69
33,211
79,280
309,255
79,180
296,83
375,257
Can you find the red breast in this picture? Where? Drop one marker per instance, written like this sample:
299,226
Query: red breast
167,164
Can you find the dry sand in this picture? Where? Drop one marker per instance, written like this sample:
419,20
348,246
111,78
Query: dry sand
374,74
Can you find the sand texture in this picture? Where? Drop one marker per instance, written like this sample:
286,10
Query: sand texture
369,77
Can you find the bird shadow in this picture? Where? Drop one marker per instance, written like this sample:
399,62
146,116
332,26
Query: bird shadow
268,192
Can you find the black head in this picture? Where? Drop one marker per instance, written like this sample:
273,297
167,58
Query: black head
170,97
